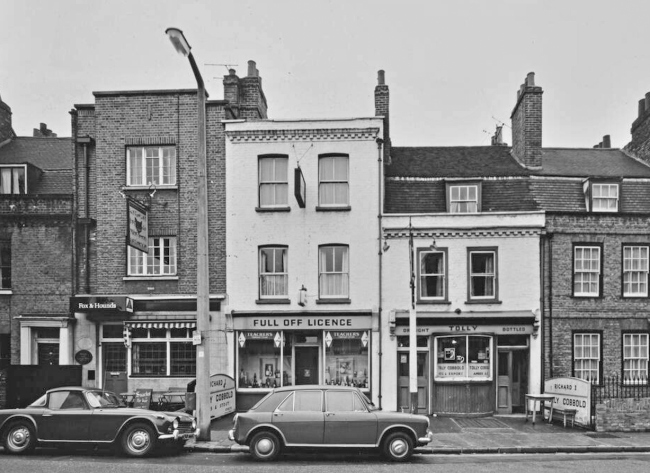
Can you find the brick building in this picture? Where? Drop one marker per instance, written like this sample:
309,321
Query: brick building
135,260
36,208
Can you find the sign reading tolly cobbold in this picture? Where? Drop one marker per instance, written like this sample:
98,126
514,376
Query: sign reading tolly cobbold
571,393
138,227
222,395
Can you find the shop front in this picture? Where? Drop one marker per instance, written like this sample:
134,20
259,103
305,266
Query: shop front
478,366
276,350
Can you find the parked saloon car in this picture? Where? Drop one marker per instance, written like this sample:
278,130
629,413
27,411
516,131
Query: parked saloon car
76,415
326,417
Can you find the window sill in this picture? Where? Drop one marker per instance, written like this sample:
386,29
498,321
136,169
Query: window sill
433,302
160,187
272,209
345,208
333,301
6,292
483,301
587,297
150,278
273,301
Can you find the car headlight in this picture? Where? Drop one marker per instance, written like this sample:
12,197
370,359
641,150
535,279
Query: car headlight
175,423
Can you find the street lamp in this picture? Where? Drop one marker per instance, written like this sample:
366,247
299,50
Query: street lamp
202,388
413,350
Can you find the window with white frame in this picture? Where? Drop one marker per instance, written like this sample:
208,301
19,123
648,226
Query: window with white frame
586,356
432,275
635,271
146,165
12,180
273,181
586,271
333,271
166,351
463,198
274,278
604,197
333,181
635,357
5,264
160,261
482,274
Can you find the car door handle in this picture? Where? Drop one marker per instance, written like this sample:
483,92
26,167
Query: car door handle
47,415
327,414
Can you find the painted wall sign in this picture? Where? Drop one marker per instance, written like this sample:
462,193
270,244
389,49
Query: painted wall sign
301,322
138,228
571,393
83,357
467,329
222,395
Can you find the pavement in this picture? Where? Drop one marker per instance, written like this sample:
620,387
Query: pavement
482,435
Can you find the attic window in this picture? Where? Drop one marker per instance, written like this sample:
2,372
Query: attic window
463,197
602,196
12,180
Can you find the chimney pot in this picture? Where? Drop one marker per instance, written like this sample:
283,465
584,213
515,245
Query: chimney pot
607,143
380,77
252,69
232,72
647,101
641,107
530,79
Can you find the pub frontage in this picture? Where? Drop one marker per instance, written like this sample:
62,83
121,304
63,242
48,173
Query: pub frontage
276,349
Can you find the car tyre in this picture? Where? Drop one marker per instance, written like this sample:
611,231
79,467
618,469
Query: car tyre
265,446
138,440
398,446
19,437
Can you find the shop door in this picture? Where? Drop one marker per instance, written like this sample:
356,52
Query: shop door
404,395
48,353
114,369
306,365
511,381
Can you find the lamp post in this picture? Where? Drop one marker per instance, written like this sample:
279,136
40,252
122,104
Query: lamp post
202,388
413,349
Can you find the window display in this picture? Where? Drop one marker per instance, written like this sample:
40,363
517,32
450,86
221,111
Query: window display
346,359
465,357
259,360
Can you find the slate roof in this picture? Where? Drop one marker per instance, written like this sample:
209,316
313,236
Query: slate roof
415,180
53,156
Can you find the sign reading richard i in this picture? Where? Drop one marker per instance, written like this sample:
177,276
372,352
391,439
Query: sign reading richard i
138,227
571,393
222,395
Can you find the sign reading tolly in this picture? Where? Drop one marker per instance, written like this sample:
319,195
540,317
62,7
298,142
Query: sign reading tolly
138,227
222,395
467,328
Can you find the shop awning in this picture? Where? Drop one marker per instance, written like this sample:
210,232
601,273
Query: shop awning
161,324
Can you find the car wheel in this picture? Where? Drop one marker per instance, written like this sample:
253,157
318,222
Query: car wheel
265,446
19,437
398,446
138,440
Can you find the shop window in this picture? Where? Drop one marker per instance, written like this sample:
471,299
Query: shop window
273,182
160,261
159,351
635,358
346,358
151,165
260,361
463,358
5,264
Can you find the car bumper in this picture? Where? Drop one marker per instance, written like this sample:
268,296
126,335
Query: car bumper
231,435
176,435
426,439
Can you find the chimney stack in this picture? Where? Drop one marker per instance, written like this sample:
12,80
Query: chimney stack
382,110
497,139
43,132
527,124
6,131
245,95
640,144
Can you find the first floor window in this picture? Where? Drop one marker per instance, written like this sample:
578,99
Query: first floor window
635,357
586,271
333,181
586,356
160,261
162,351
5,264
273,181
635,271
432,275
274,278
483,276
464,357
333,271
151,165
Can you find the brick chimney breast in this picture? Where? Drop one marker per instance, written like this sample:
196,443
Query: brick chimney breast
6,130
526,120
640,144
382,110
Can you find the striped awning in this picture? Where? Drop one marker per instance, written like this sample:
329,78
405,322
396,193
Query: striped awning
161,324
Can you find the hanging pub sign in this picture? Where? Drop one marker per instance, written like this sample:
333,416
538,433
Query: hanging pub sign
300,187
138,227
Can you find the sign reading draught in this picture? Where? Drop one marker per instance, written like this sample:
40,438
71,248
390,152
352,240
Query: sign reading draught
138,226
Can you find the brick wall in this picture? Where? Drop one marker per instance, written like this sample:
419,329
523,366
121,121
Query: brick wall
623,415
527,124
640,144
6,131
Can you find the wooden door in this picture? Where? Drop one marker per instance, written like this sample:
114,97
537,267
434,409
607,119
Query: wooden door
404,394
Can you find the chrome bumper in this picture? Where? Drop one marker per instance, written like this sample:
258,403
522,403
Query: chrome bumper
427,439
176,435
231,435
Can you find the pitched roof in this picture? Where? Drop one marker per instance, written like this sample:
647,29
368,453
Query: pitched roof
590,162
44,153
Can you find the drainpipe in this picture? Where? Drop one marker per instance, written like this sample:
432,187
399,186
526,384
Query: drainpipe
85,141
550,303
380,174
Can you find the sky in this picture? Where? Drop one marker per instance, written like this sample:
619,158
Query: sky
453,67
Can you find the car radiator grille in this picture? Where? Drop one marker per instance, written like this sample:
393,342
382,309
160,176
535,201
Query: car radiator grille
185,427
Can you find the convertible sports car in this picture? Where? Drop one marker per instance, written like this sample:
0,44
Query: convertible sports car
76,415
326,417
